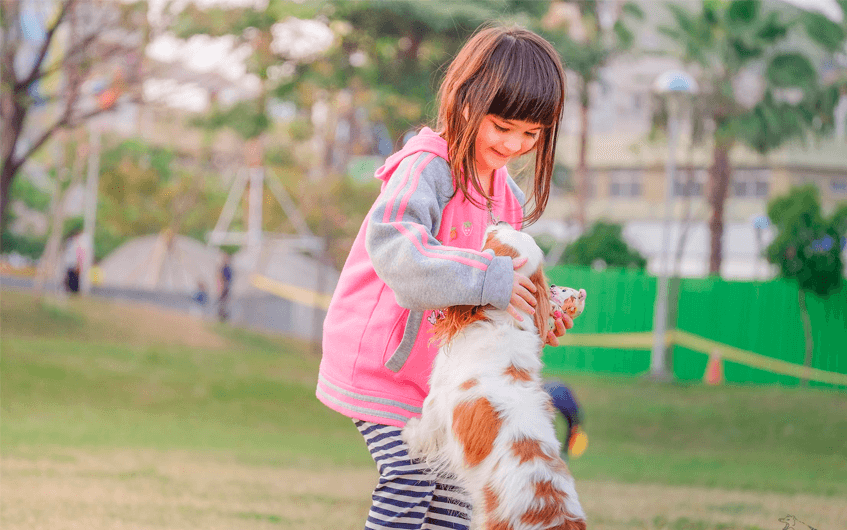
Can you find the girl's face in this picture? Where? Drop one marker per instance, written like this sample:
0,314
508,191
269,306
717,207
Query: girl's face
500,140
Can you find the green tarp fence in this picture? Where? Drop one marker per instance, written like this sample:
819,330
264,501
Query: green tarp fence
762,318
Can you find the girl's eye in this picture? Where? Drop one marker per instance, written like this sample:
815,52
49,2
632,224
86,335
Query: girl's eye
532,135
501,129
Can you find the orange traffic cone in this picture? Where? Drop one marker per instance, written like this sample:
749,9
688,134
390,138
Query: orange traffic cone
714,370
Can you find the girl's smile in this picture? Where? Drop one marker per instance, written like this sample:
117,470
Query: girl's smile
500,140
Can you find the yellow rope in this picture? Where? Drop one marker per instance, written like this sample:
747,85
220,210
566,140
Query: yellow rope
644,341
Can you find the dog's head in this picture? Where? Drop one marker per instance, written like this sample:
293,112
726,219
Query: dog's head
504,240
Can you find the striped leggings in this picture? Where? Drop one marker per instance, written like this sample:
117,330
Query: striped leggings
407,495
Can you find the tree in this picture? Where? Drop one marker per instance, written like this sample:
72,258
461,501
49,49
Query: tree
77,40
808,248
603,244
143,190
380,69
725,41
587,40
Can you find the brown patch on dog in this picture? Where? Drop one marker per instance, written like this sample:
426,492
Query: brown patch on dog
571,525
546,490
550,509
528,449
517,374
455,319
467,385
500,525
543,308
499,248
476,425
490,498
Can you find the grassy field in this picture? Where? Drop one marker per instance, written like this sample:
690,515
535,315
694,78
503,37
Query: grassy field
120,416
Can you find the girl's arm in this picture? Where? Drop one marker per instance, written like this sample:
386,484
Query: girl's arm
423,273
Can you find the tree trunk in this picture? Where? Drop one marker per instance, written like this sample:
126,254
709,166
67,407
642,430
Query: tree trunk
719,175
582,165
807,332
15,114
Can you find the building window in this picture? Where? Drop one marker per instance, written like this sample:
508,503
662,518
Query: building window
689,182
751,183
625,183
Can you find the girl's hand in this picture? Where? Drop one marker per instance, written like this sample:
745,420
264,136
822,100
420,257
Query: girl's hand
522,289
562,324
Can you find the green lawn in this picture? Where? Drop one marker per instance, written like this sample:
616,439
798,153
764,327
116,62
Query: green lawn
91,374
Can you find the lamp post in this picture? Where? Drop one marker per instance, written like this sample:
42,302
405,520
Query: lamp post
674,86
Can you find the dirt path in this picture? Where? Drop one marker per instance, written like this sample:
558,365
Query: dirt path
171,490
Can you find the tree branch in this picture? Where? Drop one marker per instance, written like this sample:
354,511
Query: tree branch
66,121
70,55
48,38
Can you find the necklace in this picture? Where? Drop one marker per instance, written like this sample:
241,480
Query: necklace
492,219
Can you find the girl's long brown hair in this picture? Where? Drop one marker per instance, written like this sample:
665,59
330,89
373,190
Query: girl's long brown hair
511,73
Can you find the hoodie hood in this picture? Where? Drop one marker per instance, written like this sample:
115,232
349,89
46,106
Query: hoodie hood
425,141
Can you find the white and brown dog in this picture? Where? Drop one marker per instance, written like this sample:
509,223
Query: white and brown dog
487,419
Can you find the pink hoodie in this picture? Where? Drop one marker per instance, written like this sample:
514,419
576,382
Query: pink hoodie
416,252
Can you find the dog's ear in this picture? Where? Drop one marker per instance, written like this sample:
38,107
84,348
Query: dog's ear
543,309
455,319
499,248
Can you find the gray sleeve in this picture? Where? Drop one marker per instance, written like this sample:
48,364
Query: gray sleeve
423,273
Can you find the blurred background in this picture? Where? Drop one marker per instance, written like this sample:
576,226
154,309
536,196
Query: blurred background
182,181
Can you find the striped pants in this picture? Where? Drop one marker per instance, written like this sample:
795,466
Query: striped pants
407,495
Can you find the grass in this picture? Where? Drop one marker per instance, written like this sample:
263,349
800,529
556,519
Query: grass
251,395
67,382
789,440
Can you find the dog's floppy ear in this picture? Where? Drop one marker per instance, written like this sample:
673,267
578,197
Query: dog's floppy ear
455,318
543,309
499,248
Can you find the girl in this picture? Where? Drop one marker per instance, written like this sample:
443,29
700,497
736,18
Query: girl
418,251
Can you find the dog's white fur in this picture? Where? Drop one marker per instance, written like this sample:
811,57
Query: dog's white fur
486,393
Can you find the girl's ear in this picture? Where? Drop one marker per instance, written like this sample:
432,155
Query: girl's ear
455,319
466,113
543,309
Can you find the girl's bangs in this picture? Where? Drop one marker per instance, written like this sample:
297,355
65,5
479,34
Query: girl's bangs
528,86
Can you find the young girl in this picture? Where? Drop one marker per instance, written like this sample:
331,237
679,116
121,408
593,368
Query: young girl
418,251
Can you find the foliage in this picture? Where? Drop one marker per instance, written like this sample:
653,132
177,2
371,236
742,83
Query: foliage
23,244
31,62
603,241
30,195
808,244
144,190
721,42
337,212
243,118
586,45
726,39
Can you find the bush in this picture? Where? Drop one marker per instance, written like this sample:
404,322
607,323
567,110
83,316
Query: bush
603,242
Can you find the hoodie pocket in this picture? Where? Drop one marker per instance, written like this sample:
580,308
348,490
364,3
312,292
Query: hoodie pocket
404,348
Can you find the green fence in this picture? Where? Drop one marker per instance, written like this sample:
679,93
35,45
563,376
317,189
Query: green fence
759,317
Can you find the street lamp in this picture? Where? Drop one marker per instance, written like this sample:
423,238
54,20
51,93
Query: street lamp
674,86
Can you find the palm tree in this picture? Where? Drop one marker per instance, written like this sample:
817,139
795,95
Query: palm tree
725,42
587,39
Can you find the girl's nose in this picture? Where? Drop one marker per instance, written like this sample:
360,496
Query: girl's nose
512,143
